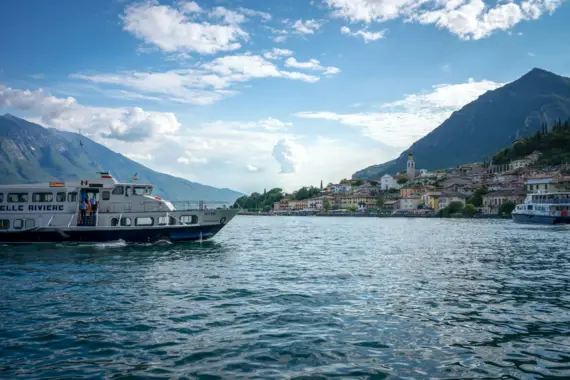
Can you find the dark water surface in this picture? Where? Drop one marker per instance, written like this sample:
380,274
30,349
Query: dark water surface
295,297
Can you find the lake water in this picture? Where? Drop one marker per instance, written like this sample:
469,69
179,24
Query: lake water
295,297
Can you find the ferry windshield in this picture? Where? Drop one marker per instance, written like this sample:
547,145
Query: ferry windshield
140,190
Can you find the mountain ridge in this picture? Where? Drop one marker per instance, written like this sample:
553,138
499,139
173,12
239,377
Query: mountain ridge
486,125
30,153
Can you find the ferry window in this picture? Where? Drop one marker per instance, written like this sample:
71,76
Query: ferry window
162,220
114,222
118,190
530,207
126,222
42,197
17,197
172,221
148,221
138,190
18,224
1,197
30,223
60,197
106,195
72,197
189,219
4,224
128,191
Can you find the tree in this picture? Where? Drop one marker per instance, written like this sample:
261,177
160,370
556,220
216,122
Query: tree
477,198
327,205
352,208
374,183
344,181
358,182
455,207
470,210
402,180
380,202
507,208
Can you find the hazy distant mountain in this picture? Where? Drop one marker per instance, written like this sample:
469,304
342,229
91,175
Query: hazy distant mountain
488,124
30,153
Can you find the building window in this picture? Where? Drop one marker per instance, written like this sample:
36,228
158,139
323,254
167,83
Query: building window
60,197
147,221
126,222
72,197
1,197
4,224
17,197
30,223
18,224
118,190
106,195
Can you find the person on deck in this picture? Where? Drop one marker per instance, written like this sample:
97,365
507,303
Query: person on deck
93,204
83,211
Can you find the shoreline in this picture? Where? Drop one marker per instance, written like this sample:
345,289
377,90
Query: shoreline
372,215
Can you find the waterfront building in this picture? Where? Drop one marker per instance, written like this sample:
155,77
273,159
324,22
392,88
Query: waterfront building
411,167
551,182
361,202
492,201
446,199
431,199
410,203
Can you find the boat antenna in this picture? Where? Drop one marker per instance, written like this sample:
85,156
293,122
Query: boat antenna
86,152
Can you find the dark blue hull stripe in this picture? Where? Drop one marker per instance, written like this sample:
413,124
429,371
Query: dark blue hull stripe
539,219
98,236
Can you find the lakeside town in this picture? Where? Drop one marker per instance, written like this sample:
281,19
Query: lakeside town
477,189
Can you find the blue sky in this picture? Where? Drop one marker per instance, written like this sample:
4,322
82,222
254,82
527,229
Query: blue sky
255,94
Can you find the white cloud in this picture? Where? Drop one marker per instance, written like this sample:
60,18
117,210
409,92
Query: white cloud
189,159
289,155
402,122
253,13
364,34
292,28
227,15
206,84
140,157
269,124
252,169
191,7
37,76
277,53
129,124
468,19
172,31
312,64
306,26
531,54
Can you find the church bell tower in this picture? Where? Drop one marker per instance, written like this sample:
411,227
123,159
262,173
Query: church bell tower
411,169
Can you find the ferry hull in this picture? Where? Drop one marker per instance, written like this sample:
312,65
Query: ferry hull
540,219
129,235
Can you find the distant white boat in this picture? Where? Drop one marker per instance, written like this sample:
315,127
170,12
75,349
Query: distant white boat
53,212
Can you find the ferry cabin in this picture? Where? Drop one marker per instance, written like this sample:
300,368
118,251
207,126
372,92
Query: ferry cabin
555,205
57,204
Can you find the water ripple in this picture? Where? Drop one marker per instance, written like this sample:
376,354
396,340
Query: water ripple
295,298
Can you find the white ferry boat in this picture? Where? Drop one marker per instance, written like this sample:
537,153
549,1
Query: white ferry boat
56,212
544,208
